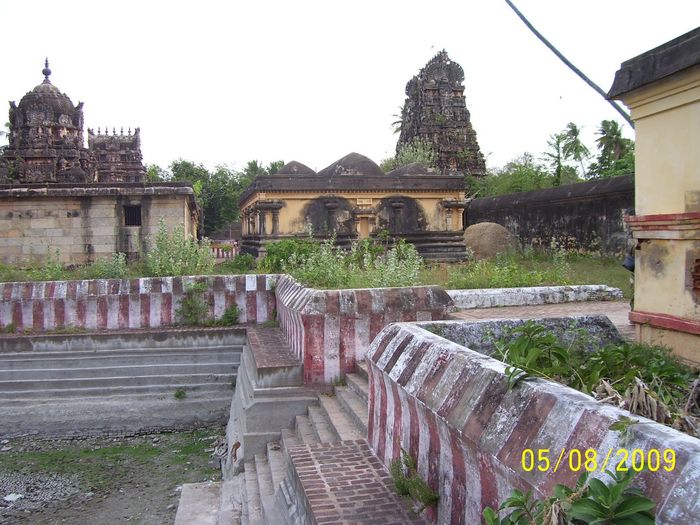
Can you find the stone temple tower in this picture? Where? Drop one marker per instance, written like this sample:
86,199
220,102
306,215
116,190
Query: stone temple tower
46,138
117,156
435,111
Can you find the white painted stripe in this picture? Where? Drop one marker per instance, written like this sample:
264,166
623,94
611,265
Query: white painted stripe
134,311
331,348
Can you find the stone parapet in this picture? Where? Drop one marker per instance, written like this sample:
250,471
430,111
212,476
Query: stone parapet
533,295
118,304
451,409
332,329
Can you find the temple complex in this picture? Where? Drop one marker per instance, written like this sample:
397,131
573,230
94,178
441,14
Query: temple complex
354,199
435,112
86,203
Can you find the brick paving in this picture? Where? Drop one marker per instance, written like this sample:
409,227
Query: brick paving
345,483
269,348
617,312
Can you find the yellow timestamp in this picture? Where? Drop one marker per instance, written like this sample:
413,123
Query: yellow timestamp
591,460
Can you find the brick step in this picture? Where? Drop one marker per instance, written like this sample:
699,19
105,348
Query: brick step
359,385
340,423
354,407
349,484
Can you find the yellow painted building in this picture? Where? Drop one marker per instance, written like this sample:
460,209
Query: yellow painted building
662,90
355,199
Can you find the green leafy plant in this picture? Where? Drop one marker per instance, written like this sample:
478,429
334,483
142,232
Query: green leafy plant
409,484
178,254
590,502
420,151
230,316
180,394
193,309
51,269
241,263
279,252
10,328
113,268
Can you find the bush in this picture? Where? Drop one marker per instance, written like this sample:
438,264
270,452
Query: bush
178,254
193,310
241,263
280,251
417,151
114,268
51,270
230,316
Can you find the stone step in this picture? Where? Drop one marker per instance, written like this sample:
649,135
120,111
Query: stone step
276,460
340,424
20,396
361,369
97,360
354,406
289,439
265,488
253,510
230,503
199,504
67,352
323,429
359,385
305,431
114,381
133,370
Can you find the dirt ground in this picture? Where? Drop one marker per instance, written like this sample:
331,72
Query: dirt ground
103,480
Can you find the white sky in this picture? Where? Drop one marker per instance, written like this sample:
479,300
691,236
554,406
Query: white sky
226,82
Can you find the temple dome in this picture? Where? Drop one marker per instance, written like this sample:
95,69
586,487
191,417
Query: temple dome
295,168
47,96
352,164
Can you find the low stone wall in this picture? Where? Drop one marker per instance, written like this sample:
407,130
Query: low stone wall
532,295
331,329
149,302
451,409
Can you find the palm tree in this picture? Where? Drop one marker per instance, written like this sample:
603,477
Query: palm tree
610,142
398,124
573,148
556,155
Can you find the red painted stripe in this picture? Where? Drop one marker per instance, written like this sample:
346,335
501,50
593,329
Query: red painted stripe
413,363
459,479
485,407
7,291
397,352
17,315
487,480
675,217
102,308
59,313
434,376
666,321
381,452
371,378
376,323
27,290
384,342
145,301
81,312
313,349
123,315
50,290
415,430
38,316
250,308
166,309
398,427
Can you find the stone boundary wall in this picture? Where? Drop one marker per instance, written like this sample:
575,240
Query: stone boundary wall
526,296
576,216
115,304
331,329
451,409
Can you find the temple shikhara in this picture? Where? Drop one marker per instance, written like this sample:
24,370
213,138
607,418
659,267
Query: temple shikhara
87,203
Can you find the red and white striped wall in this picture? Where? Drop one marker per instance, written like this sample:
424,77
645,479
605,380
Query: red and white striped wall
451,409
129,303
331,329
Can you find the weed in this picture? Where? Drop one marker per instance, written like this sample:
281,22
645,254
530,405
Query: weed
10,328
230,316
241,263
177,254
408,483
192,309
180,394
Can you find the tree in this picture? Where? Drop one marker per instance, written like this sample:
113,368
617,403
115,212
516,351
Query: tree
520,174
573,148
417,151
616,153
155,173
274,167
556,155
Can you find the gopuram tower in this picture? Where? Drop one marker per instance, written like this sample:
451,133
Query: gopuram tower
435,112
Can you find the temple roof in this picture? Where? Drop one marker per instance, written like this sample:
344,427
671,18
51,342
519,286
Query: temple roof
47,95
352,164
295,168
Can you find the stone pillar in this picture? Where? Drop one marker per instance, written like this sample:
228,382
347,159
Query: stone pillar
262,229
275,222
448,219
394,223
331,206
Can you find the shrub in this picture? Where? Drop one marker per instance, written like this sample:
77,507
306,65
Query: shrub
51,270
180,393
409,484
113,268
279,252
230,316
241,263
420,151
193,310
178,254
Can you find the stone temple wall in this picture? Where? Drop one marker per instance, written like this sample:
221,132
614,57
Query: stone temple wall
451,409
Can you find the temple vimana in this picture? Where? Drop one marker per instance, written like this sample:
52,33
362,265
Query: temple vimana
354,199
87,203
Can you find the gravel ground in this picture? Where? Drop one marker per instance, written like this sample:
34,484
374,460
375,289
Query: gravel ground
102,480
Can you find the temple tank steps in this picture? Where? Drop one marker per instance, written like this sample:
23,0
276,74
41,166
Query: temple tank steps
122,384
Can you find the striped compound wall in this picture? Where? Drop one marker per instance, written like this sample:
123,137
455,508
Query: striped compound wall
128,303
330,329
450,408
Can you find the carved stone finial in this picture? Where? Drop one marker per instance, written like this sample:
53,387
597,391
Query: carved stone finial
98,130
114,131
129,130
121,132
46,71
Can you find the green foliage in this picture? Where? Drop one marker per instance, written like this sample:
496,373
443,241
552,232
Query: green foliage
193,310
180,394
520,174
590,502
409,484
178,254
507,271
279,252
112,268
365,265
51,270
230,316
644,379
417,151
10,328
241,263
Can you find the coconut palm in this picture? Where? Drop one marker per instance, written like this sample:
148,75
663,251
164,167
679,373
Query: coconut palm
573,148
555,155
610,142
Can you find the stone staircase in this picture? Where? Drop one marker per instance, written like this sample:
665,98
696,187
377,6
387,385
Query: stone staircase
123,384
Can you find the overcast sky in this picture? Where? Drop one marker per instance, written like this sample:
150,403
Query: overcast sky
227,82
